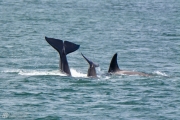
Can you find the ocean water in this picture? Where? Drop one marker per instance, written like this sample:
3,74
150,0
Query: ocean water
144,33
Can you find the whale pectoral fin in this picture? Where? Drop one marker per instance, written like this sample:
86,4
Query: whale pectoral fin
90,62
91,69
55,43
70,47
114,65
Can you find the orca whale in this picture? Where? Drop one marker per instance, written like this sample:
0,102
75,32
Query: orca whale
63,48
91,70
114,69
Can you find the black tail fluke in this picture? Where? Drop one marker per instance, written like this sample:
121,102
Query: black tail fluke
55,43
59,45
70,47
114,65
90,62
63,48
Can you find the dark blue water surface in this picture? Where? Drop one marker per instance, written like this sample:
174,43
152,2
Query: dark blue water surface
144,33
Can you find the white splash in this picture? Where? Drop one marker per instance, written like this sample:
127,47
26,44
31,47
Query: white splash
160,73
74,72
11,71
38,72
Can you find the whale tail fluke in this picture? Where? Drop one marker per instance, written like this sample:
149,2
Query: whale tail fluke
114,65
63,48
91,64
70,47
66,46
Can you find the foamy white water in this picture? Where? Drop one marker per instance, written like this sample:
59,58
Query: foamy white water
160,73
74,72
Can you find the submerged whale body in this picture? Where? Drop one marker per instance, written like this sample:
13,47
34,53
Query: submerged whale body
114,69
63,48
91,70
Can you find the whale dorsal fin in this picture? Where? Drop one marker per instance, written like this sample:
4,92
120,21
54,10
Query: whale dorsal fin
114,65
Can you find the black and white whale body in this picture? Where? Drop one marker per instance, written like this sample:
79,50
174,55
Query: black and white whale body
63,49
91,69
114,69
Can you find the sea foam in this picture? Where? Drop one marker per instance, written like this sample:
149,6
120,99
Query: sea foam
74,72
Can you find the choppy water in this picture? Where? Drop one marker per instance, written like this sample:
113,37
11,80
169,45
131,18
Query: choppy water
144,33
